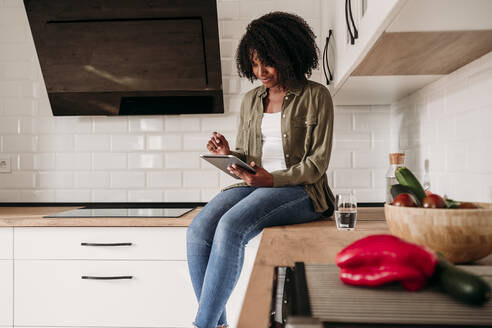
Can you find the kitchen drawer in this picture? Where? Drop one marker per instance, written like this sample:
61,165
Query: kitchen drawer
6,243
147,243
52,293
6,292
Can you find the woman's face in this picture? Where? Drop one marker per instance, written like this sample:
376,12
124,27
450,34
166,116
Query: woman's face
266,74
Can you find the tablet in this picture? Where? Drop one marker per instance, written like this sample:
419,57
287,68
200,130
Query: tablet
223,161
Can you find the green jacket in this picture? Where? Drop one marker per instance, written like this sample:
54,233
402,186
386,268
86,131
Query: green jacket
307,130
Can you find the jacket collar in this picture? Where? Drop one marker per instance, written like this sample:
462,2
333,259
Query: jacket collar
262,91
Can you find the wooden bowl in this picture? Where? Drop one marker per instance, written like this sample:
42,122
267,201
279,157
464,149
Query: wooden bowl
461,235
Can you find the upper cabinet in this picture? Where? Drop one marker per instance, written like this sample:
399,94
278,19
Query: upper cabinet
382,50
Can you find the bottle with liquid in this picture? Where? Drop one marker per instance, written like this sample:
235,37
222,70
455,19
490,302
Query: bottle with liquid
396,160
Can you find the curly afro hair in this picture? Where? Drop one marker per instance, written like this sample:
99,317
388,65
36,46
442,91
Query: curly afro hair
280,40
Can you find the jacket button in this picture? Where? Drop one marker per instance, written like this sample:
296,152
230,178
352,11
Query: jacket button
287,155
283,116
285,135
286,97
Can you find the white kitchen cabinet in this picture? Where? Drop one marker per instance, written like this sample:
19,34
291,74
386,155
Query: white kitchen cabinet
6,243
6,293
49,290
370,18
147,243
411,44
52,292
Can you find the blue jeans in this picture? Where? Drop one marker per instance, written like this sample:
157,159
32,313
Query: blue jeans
218,234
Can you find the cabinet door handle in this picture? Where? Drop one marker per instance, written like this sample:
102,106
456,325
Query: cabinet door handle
106,244
107,278
326,65
348,11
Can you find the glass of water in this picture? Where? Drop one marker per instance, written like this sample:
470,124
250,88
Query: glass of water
345,211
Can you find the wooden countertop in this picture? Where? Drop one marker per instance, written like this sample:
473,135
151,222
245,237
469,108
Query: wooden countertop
315,242
33,217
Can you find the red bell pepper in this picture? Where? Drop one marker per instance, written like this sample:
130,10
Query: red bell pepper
380,259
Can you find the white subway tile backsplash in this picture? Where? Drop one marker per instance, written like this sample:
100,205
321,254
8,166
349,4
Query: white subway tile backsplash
164,142
145,196
17,107
10,196
456,156
44,161
164,179
127,142
73,161
72,196
343,122
255,9
370,195
341,159
154,124
220,123
451,130
18,70
182,195
231,28
352,141
193,141
228,10
56,143
55,180
133,179
12,52
376,123
379,178
196,179
352,178
8,88
73,125
110,161
181,123
109,195
376,158
91,180
16,180
111,124
37,196
92,142
9,125
182,160
16,143
145,161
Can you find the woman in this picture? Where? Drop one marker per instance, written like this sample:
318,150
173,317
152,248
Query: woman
285,132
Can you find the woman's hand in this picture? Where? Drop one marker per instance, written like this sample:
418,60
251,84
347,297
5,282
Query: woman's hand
262,178
218,144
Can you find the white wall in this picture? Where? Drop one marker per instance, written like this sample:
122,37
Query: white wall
449,123
149,158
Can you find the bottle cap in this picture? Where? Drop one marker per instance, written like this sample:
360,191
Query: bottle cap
397,158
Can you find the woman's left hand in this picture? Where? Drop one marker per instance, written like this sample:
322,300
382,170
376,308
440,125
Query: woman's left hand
262,178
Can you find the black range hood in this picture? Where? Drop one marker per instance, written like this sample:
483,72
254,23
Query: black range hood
122,57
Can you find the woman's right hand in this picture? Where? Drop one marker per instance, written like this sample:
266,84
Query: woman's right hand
218,145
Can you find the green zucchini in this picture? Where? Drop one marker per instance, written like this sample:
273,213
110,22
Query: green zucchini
451,203
405,177
460,284
397,189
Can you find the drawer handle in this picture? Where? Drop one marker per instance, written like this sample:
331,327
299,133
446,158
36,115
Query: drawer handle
106,244
107,278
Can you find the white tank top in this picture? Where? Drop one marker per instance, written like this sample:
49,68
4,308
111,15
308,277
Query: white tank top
272,158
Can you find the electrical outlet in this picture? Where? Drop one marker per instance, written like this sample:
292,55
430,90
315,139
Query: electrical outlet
5,164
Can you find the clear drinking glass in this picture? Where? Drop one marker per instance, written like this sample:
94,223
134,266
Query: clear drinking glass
345,211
